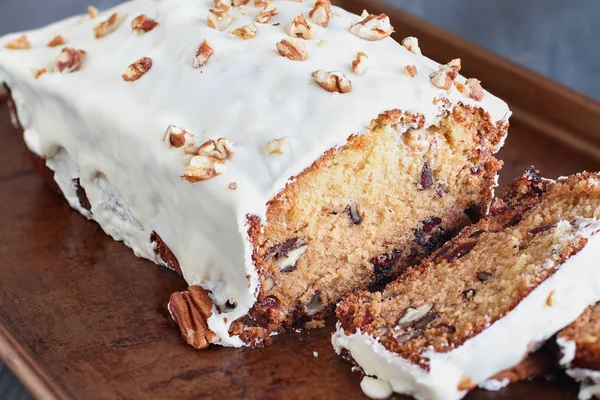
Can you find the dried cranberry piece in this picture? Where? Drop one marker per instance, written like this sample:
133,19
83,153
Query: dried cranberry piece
426,176
430,224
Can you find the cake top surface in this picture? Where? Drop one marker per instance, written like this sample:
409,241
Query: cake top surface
483,274
585,334
153,64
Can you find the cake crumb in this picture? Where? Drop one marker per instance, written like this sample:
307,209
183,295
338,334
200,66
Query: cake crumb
315,324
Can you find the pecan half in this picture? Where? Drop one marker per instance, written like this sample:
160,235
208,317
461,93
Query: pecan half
333,81
142,24
321,13
20,43
69,60
190,311
373,27
109,26
294,49
136,70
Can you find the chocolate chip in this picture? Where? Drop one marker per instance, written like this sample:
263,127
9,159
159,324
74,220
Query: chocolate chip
476,234
459,251
430,224
316,303
354,213
426,176
484,276
82,195
469,294
541,229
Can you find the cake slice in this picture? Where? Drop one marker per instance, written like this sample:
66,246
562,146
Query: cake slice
277,156
485,300
579,345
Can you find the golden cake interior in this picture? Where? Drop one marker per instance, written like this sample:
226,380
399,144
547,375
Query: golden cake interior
585,332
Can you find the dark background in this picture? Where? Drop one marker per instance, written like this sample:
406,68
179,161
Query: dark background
557,38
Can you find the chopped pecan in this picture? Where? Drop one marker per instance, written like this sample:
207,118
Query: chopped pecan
177,137
301,28
221,149
265,15
204,53
224,5
333,81
277,146
57,41
20,43
69,60
373,27
219,19
410,70
109,26
232,186
246,32
411,44
261,3
239,3
472,89
136,70
446,75
294,49
142,24
190,311
203,168
359,66
321,13
93,11
39,72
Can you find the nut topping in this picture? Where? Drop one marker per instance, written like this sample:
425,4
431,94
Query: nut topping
93,11
20,43
219,19
410,70
294,49
69,60
413,314
472,89
446,75
321,13
261,3
203,168
301,28
221,149
359,66
246,32
39,72
232,186
177,137
411,44
136,70
224,5
333,81
57,41
142,24
239,3
190,311
277,146
373,27
204,53
108,26
265,15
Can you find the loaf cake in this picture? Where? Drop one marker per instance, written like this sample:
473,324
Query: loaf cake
481,303
579,345
278,155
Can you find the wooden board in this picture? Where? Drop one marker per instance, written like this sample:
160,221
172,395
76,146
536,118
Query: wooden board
82,318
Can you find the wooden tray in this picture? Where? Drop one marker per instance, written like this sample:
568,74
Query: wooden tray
82,318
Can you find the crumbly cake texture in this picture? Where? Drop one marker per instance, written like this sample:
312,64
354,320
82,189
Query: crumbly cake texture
277,156
579,346
483,301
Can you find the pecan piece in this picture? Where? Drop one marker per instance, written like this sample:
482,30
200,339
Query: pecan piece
472,89
109,26
265,15
203,168
190,310
410,70
246,32
359,66
136,70
294,49
142,24
69,60
411,44
333,81
277,146
93,11
57,41
20,43
204,53
177,137
219,19
321,13
373,27
446,75
221,149
301,28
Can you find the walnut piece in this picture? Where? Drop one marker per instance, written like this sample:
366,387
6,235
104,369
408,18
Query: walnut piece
278,146
221,149
178,137
109,26
359,66
301,28
246,32
294,49
57,41
204,53
373,27
20,43
190,311
69,60
93,11
136,70
219,19
411,44
333,81
265,15
203,168
446,75
410,70
142,24
321,13
472,89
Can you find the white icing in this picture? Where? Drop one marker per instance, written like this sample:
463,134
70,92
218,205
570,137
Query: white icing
246,93
375,388
590,382
576,285
494,384
568,350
